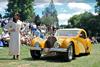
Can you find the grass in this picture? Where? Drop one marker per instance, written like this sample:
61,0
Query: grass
92,60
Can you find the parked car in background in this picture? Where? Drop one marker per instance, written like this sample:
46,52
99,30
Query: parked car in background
66,42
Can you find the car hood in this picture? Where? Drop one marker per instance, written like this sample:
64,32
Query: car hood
60,39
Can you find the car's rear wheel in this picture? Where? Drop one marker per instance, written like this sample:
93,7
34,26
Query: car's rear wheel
35,54
70,54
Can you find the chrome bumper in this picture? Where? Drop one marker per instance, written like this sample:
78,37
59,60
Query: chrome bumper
35,48
57,50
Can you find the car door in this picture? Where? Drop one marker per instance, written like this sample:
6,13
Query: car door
82,41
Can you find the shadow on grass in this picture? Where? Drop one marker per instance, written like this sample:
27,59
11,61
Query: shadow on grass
53,58
6,59
28,59
48,59
82,55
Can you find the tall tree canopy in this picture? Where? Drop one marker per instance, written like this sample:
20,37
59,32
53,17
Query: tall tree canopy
97,17
86,21
81,19
23,7
97,7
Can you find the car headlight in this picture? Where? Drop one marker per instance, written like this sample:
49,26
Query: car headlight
37,44
56,45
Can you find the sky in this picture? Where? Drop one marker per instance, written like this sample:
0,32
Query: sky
65,8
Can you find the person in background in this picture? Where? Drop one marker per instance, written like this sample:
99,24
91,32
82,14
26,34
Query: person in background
5,38
94,40
14,30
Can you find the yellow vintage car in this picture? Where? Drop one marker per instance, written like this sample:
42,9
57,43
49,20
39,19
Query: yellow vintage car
66,42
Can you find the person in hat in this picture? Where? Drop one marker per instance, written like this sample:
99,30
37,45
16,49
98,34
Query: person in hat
14,28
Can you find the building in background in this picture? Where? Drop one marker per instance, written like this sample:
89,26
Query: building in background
50,14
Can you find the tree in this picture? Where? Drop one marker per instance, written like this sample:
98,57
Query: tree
37,20
74,21
47,20
97,7
23,7
86,21
97,17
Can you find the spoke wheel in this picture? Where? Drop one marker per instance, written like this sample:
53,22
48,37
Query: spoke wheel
70,52
69,55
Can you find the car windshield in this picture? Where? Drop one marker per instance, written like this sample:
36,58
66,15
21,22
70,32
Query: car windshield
66,32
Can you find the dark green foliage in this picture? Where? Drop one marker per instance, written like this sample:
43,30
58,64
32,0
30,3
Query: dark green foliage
87,21
24,7
97,7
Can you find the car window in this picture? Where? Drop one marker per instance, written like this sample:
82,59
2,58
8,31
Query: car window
67,33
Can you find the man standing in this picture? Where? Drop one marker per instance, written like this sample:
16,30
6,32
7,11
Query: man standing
14,30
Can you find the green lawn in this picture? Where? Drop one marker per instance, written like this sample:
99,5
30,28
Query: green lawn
93,60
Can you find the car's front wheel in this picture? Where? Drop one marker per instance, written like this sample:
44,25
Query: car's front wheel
69,55
35,54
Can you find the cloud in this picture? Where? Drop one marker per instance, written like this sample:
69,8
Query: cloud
3,6
58,4
79,6
63,18
64,10
55,1
40,5
3,0
43,5
65,1
41,1
94,13
77,13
